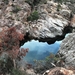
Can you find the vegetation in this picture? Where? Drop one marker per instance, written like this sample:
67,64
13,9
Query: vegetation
17,72
33,3
33,16
51,61
43,1
58,7
6,1
6,65
9,44
16,9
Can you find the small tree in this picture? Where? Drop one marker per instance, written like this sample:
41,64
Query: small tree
9,42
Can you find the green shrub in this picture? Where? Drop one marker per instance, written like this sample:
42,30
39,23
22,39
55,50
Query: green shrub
16,8
33,3
33,16
40,66
17,72
43,1
58,7
6,1
6,65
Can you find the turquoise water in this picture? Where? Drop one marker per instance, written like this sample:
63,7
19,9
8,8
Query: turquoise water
39,50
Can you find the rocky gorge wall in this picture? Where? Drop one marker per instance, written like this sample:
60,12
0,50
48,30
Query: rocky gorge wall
67,47
52,25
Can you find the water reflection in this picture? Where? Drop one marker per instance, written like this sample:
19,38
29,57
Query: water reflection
39,50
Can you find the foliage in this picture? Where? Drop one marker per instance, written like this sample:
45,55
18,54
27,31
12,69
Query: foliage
35,2
33,16
17,72
9,41
41,66
6,65
9,44
16,8
6,1
32,2
22,53
58,7
43,1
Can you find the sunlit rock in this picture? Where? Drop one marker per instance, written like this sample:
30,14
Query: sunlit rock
67,48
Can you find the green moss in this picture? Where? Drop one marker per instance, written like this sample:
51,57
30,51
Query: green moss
58,7
33,16
43,1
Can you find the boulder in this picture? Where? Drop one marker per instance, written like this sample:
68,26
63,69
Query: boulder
67,49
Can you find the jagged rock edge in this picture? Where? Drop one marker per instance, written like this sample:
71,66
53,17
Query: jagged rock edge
67,29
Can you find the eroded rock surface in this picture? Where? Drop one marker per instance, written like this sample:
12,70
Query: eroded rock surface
67,48
51,23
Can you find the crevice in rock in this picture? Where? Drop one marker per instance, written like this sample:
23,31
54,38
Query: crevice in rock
67,29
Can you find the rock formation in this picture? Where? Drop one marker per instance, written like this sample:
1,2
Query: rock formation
59,71
52,25
67,48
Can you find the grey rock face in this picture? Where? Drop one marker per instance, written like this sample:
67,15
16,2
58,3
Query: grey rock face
47,28
50,24
67,48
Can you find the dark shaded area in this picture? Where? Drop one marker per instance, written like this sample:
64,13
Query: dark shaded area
67,29
6,66
32,3
26,38
52,40
35,2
